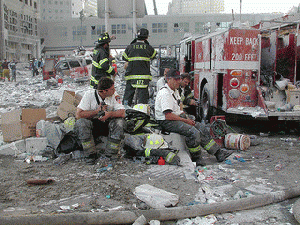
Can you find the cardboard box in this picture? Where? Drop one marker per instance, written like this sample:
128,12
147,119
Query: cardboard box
11,126
29,119
67,107
17,125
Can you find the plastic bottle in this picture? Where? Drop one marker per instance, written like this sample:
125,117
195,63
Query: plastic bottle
40,128
161,161
278,167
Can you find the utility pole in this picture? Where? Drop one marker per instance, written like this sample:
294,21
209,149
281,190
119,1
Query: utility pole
1,34
134,18
154,6
106,16
240,10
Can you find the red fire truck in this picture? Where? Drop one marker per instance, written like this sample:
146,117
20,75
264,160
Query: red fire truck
235,73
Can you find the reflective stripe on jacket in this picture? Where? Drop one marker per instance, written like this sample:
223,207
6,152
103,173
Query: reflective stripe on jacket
139,55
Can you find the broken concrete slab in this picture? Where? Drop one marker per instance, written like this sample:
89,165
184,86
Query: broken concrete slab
13,148
177,141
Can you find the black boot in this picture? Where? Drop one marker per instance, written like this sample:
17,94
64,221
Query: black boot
91,159
222,154
197,157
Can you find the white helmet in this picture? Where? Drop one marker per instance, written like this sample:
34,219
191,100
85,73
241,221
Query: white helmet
145,108
155,141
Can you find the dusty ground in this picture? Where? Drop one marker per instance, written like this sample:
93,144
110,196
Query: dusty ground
78,187
83,188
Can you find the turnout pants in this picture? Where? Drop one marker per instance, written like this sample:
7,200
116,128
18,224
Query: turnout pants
88,130
195,136
142,94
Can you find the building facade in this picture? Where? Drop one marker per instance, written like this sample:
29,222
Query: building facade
195,6
77,7
54,10
165,30
90,8
19,30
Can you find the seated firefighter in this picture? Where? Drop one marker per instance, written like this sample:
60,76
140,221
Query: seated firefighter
187,95
169,116
99,114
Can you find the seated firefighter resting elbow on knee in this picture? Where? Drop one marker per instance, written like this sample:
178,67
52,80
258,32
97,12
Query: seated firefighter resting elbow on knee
99,114
172,119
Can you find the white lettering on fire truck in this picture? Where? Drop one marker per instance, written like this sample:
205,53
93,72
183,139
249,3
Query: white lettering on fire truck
236,40
251,41
239,41
239,57
250,57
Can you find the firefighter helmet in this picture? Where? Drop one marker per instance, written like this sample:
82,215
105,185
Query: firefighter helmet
145,108
103,38
155,141
135,120
143,33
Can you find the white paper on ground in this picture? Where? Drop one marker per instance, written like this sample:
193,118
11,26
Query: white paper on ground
155,197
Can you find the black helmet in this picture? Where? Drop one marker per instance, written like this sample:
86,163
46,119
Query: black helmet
142,33
103,38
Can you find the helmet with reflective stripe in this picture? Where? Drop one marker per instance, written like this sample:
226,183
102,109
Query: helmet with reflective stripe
135,120
155,141
145,108
103,38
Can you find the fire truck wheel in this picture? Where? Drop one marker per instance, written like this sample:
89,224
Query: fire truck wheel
205,106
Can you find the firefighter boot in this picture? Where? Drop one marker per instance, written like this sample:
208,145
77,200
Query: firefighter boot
173,159
90,153
222,154
169,156
197,157
113,148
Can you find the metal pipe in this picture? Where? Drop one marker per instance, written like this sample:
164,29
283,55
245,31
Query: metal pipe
259,59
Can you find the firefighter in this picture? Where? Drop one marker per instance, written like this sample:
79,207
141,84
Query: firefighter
99,114
172,119
100,64
5,67
187,95
162,81
114,65
138,55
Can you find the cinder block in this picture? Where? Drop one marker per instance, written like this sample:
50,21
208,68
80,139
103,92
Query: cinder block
13,148
36,144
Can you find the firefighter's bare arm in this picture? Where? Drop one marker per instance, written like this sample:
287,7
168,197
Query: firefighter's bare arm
113,114
88,113
172,116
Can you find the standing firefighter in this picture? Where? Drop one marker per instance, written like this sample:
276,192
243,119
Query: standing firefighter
99,114
5,67
100,65
172,119
138,54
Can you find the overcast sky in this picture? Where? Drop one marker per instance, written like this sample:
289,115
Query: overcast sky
248,6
